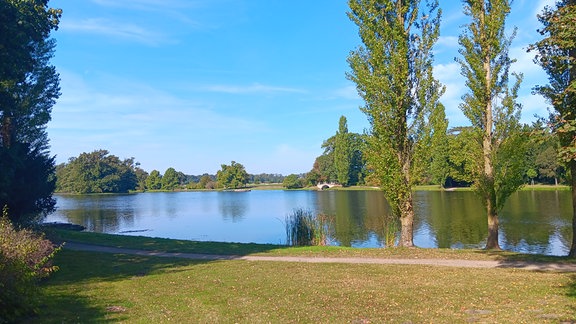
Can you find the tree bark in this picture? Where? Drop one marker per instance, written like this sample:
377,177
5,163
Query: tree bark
492,241
572,252
407,223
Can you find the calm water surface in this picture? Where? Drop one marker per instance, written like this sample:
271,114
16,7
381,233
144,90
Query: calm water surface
532,221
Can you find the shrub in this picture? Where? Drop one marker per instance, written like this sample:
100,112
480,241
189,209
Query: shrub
292,182
305,229
25,258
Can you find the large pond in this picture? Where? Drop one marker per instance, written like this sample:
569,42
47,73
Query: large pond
532,221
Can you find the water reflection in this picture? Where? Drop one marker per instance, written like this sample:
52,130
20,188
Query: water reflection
98,213
452,219
532,221
233,205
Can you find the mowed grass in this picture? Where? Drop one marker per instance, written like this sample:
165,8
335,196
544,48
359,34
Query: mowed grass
99,287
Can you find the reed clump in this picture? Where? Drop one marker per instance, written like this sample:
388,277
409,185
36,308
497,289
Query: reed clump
303,228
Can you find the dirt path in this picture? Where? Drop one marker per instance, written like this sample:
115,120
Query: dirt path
533,266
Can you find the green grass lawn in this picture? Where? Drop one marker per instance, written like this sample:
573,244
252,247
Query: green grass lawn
99,287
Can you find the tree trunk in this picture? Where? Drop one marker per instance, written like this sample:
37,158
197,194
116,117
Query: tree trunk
572,166
487,152
407,223
492,241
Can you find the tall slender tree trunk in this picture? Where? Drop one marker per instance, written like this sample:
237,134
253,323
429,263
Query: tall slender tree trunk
407,223
572,167
492,240
406,208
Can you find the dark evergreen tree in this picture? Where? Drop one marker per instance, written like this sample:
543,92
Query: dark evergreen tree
29,86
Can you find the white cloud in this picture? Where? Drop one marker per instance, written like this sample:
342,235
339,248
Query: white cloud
448,41
347,92
250,89
145,4
110,28
179,10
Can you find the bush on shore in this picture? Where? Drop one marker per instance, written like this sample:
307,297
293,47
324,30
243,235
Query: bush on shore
25,258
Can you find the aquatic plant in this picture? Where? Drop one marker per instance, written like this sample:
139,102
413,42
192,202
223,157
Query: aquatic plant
303,228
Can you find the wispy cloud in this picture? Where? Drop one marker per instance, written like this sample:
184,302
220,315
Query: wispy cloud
136,117
110,28
347,92
146,4
250,89
184,11
542,4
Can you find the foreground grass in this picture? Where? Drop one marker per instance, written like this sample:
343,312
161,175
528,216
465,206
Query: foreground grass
97,287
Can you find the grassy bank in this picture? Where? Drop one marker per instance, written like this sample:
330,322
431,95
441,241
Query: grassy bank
98,287
186,246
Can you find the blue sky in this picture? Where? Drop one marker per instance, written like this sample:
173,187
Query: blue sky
193,84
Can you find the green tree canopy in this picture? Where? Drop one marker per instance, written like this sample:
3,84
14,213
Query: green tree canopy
292,181
97,172
232,176
170,179
343,152
154,180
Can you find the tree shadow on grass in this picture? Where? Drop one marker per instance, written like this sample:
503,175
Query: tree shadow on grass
66,294
571,293
536,262
67,307
572,290
158,244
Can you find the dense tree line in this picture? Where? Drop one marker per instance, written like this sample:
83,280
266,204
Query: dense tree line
101,172
454,162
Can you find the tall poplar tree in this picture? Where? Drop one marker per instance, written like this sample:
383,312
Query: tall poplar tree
393,75
556,53
491,107
343,152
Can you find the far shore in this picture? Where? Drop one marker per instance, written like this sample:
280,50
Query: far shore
278,186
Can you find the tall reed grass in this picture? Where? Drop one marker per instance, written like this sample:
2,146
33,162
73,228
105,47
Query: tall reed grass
303,228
